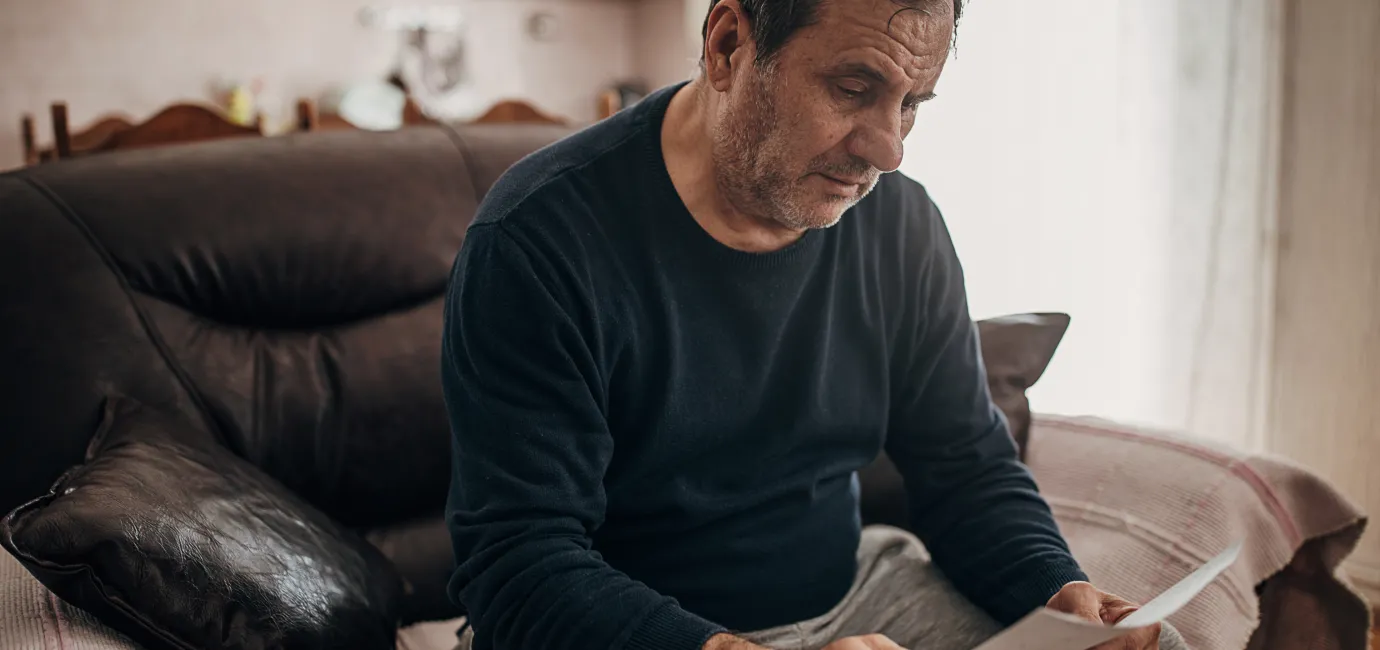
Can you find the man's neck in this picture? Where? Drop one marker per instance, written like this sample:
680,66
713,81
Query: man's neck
686,141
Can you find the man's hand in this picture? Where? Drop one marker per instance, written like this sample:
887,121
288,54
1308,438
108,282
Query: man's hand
1088,602
869,642
729,642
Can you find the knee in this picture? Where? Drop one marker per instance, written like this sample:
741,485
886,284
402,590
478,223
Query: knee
1170,639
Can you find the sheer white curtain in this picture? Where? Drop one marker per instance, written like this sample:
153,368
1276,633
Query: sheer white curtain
1113,159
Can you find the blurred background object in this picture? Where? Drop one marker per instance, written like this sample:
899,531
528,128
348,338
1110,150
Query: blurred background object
372,105
136,57
242,102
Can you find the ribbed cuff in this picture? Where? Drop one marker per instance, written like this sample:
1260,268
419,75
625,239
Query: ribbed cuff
1031,593
672,628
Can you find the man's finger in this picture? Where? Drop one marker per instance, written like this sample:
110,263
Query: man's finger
1112,613
1080,599
880,642
868,642
1147,638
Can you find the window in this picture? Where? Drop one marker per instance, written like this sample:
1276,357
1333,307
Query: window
1112,160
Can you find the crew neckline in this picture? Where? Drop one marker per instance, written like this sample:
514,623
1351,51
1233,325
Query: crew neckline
679,215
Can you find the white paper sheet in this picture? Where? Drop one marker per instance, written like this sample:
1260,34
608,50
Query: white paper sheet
1046,629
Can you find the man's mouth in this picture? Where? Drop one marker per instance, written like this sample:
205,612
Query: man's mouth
844,182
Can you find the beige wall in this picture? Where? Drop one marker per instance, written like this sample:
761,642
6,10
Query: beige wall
665,54
138,55
1325,410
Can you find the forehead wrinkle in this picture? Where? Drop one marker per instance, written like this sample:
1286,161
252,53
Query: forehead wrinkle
921,27
916,40
886,64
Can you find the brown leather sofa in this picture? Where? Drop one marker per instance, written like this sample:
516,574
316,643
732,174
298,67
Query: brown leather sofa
283,292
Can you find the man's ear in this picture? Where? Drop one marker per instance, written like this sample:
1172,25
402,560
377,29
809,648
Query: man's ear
727,43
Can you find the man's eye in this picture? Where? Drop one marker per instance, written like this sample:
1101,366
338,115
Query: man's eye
851,92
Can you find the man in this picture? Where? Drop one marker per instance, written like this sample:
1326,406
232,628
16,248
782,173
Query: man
672,339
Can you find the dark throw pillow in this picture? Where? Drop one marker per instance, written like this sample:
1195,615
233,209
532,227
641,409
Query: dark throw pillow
1016,350
171,539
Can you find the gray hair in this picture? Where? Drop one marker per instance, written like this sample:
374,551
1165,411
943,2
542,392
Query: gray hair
774,22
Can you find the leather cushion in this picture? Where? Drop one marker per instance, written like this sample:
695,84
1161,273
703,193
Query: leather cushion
421,552
166,536
1016,350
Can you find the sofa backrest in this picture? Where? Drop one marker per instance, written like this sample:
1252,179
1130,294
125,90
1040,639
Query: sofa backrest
283,292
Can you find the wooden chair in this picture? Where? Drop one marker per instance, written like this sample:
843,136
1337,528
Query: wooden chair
308,118
608,103
504,112
178,123
511,110
26,136
93,135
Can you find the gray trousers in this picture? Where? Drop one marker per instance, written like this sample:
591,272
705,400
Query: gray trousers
900,594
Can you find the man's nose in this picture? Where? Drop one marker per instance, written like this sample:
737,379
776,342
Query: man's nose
880,141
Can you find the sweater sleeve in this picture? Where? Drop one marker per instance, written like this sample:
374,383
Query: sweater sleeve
530,448
972,502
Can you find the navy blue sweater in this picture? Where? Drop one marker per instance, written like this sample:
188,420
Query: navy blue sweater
656,437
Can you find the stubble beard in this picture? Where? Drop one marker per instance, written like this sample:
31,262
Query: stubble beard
749,153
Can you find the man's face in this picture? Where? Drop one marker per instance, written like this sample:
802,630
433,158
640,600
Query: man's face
804,137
